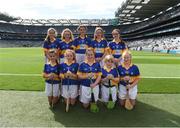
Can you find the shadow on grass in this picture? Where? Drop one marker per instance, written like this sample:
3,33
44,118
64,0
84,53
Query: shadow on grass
143,115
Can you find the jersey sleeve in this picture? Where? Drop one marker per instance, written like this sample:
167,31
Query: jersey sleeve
45,45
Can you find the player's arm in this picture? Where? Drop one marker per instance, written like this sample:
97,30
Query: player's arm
135,82
74,76
82,75
98,79
115,79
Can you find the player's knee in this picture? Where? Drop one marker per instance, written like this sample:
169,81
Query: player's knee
122,102
85,105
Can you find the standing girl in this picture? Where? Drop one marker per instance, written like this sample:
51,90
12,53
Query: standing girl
117,46
99,44
50,42
66,43
81,43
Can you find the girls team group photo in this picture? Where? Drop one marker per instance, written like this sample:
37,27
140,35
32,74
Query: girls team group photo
89,70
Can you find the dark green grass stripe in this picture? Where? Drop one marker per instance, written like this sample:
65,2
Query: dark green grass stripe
155,61
159,85
146,85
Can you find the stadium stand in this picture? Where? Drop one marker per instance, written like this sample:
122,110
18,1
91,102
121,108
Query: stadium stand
143,23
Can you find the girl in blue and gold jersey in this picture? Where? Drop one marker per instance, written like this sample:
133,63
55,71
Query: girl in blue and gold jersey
90,75
129,78
50,42
68,74
99,44
109,81
51,75
81,43
117,46
66,43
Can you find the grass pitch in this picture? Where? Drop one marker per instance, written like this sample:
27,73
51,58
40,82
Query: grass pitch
30,61
21,68
22,109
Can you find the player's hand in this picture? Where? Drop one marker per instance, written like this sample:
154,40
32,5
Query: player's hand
69,73
105,79
128,86
98,59
66,75
51,76
92,85
110,77
116,60
126,78
90,75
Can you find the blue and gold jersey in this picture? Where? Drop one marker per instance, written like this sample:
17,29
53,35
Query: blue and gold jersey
85,68
48,69
63,46
64,67
82,44
51,45
133,72
106,72
117,49
99,47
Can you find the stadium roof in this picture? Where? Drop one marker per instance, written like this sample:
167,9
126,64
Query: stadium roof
131,11
139,10
66,22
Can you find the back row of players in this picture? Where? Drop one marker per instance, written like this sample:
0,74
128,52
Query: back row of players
88,63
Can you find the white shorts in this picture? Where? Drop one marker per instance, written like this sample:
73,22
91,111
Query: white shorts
72,92
105,93
52,90
123,92
85,94
80,58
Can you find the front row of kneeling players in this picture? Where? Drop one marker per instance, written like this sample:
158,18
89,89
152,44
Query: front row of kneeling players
121,80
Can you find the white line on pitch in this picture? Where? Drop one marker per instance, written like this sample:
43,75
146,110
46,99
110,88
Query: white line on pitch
14,74
153,77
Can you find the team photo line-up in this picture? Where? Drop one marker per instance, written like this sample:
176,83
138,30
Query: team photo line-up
90,69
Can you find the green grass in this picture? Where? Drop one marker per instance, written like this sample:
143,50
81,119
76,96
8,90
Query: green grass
31,61
30,109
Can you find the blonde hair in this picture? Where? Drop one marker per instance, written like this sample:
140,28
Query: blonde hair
98,28
89,50
126,52
108,57
67,30
48,31
70,51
